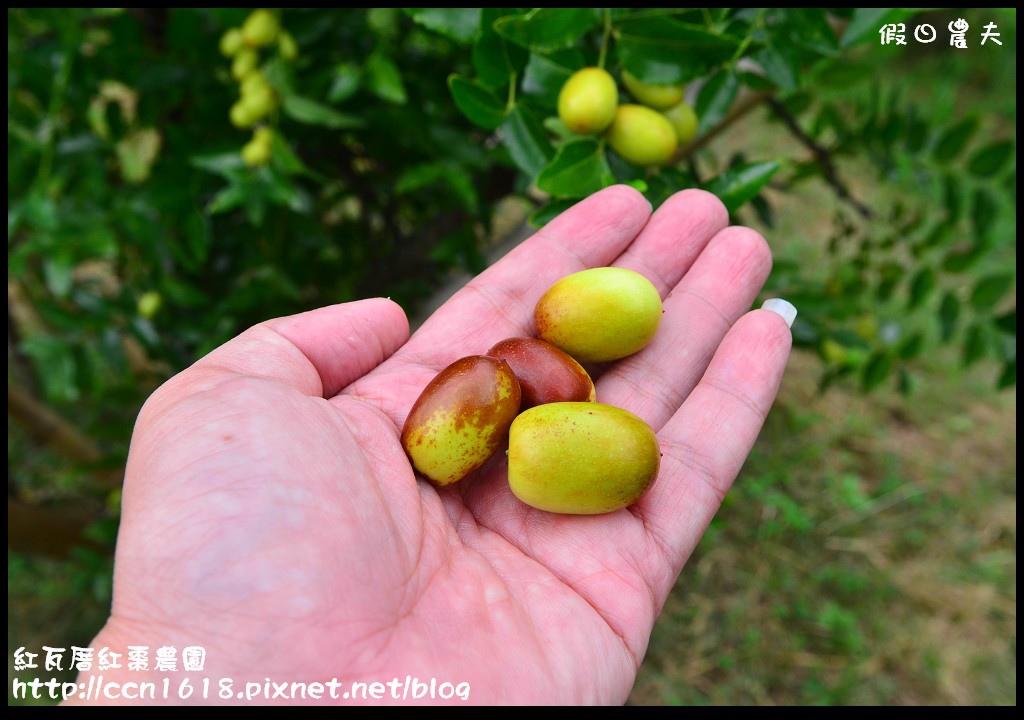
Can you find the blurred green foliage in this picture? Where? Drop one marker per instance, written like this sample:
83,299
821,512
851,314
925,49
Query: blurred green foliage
139,239
125,179
131,215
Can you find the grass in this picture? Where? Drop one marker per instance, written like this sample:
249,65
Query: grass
867,555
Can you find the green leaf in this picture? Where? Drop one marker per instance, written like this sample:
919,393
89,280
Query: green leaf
228,199
876,370
984,209
578,169
921,286
282,190
953,197
57,272
546,74
547,29
14,213
891,129
664,183
890,275
494,58
459,248
958,261
949,313
182,294
543,215
286,160
255,207
916,132
715,98
841,72
907,382
459,146
991,159
975,344
419,176
911,347
461,183
936,237
663,50
347,78
554,125
809,28
755,81
223,164
1007,322
764,211
826,118
384,79
1008,377
476,102
137,152
280,75
310,112
798,102
54,359
526,140
781,65
384,22
740,183
990,290
430,174
194,246
39,212
458,24
866,22
954,139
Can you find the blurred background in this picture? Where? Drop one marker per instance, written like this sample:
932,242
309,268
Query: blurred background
175,176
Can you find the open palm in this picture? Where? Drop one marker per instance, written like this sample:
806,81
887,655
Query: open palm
271,516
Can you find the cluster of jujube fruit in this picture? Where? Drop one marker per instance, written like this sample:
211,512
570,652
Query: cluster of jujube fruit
257,100
567,452
647,134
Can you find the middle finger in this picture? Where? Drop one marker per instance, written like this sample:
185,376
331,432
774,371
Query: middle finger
719,287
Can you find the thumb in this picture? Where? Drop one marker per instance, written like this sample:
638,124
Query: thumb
318,352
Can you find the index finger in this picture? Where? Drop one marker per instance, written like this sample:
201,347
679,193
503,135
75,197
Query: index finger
706,442
499,302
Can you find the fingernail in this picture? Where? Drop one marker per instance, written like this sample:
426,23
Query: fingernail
782,308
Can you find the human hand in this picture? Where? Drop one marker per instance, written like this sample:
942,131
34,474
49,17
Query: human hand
271,516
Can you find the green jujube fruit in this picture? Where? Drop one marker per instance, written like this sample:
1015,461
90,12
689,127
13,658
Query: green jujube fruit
259,150
587,101
599,314
231,42
684,122
287,46
545,373
581,458
260,28
642,136
653,95
244,63
149,304
243,115
461,418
